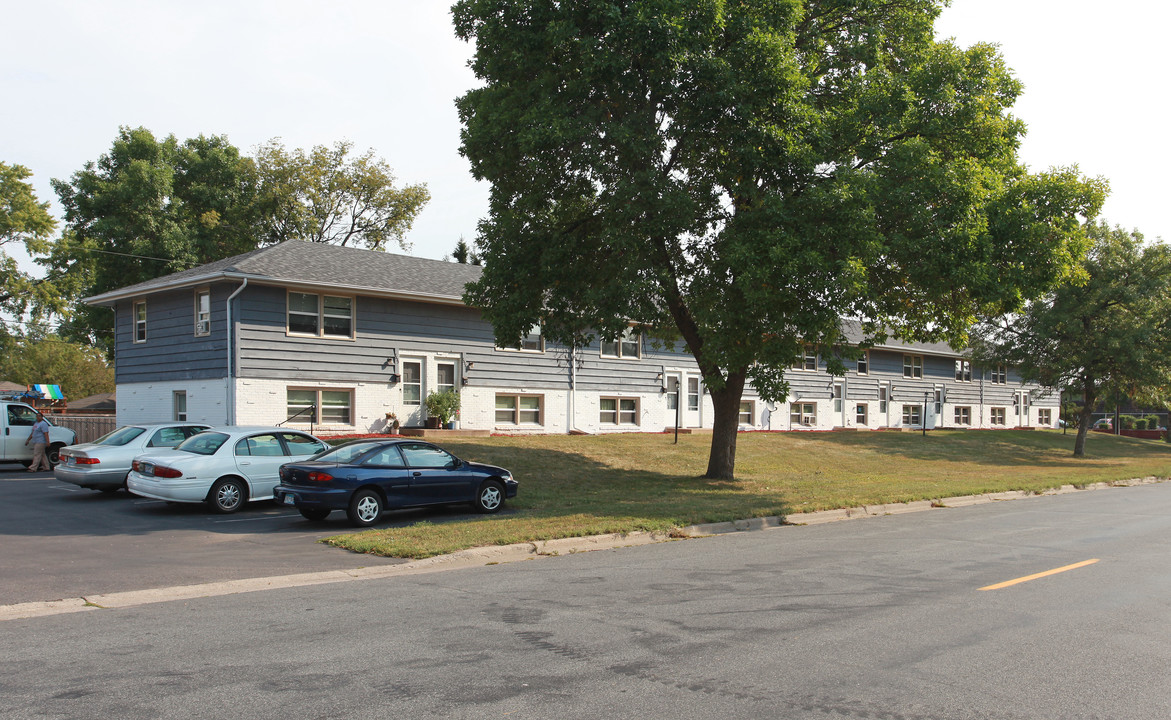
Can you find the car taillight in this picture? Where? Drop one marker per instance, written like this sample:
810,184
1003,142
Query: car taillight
136,467
166,472
316,476
86,461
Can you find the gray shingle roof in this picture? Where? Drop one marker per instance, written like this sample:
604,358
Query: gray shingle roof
299,262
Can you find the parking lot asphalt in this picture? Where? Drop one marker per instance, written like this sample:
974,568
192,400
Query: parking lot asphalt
61,541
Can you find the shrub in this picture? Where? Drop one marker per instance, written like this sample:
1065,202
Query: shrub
443,405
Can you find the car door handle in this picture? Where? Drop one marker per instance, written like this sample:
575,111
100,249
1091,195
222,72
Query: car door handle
245,462
416,474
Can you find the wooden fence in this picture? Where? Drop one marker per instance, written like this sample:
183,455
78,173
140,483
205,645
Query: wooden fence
87,427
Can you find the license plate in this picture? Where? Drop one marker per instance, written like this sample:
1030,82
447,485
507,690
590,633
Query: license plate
287,500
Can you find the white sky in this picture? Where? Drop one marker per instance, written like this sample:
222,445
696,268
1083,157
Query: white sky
384,74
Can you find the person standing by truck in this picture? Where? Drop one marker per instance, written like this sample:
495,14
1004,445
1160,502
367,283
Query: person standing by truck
39,437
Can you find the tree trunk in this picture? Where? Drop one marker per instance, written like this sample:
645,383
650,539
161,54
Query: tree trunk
721,463
1083,425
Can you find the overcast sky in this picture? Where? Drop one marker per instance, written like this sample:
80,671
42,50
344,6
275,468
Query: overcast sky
384,73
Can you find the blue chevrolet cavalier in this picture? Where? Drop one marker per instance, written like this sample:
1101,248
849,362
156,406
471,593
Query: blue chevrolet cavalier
366,477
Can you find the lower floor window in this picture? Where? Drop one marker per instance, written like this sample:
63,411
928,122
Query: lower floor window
1045,417
912,415
334,407
997,416
619,411
746,413
179,406
861,413
803,414
518,409
963,416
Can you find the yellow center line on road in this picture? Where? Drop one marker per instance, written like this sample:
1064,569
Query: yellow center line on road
1047,573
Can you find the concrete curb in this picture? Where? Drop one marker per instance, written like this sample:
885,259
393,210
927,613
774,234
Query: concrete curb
500,554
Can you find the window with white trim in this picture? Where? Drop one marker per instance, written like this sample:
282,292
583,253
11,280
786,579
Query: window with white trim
1045,417
912,366
963,371
862,414
140,321
998,416
804,414
747,412
202,312
912,415
319,406
179,406
618,411
444,376
883,397
999,375
626,346
864,363
532,342
412,381
837,393
320,315
693,393
963,416
808,360
519,409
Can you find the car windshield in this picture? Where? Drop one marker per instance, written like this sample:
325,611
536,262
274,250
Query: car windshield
346,453
205,443
120,437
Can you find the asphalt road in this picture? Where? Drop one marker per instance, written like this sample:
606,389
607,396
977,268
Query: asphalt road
58,540
881,618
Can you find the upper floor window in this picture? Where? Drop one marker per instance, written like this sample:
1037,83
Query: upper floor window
864,363
321,315
140,321
807,361
532,341
912,366
1000,374
963,371
626,346
203,311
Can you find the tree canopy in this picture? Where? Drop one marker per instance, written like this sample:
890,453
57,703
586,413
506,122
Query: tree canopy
324,196
745,174
1104,333
81,370
24,220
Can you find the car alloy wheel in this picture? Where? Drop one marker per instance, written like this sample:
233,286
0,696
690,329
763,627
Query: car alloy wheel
227,495
490,497
365,508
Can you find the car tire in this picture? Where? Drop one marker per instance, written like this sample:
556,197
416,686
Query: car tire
489,498
109,490
53,454
313,513
365,508
228,495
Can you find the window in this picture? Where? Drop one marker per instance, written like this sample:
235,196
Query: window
963,371
530,342
693,393
426,456
1045,417
861,413
169,437
673,392
321,315
999,375
265,445
19,415
412,382
912,366
626,346
963,416
883,398
179,406
518,409
808,360
445,377
319,406
298,444
746,412
803,414
938,401
998,416
140,322
618,411
203,311
912,415
837,393
864,363
386,457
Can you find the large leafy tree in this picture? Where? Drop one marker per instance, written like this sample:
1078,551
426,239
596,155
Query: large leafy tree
745,173
81,370
147,208
26,221
1103,334
325,195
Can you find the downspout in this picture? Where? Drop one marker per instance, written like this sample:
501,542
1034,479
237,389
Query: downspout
571,418
231,387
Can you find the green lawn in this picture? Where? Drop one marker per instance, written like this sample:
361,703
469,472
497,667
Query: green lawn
571,486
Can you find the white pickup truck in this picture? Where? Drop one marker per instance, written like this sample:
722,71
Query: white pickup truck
17,420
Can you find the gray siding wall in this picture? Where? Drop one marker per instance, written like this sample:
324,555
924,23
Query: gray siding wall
171,351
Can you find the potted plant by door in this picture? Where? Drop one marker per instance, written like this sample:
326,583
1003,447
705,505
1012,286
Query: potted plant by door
393,423
441,408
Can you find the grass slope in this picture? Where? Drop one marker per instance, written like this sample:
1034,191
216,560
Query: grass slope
572,486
